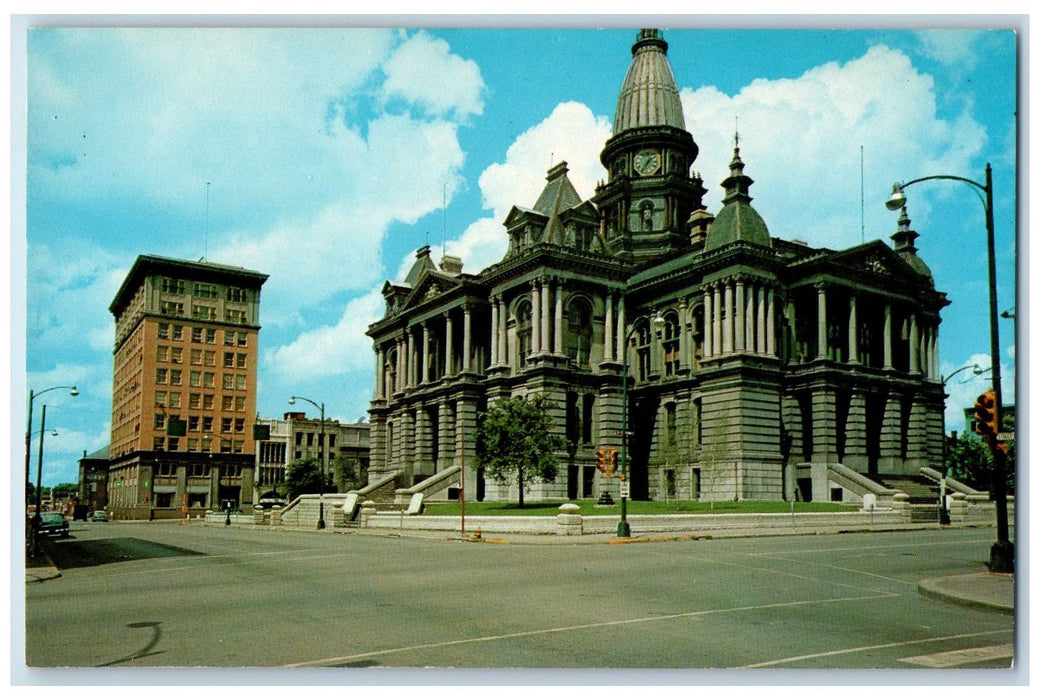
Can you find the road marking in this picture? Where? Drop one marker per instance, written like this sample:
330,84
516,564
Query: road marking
854,650
959,657
334,660
905,545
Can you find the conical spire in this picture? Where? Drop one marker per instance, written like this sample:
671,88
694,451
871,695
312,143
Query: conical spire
649,96
903,240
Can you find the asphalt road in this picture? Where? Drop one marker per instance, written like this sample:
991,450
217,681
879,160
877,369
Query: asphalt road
135,595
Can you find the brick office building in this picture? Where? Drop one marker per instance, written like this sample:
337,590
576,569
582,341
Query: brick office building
183,387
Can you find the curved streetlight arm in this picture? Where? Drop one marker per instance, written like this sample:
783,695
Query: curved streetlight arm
954,373
324,455
73,391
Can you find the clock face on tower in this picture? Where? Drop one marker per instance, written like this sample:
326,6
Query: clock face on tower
647,162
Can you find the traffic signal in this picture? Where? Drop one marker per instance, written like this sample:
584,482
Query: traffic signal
986,413
611,461
601,459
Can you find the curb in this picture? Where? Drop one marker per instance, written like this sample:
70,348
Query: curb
934,588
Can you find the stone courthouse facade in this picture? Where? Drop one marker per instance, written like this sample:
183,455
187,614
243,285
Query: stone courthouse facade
755,364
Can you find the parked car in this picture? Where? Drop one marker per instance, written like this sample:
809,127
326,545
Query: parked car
99,516
54,524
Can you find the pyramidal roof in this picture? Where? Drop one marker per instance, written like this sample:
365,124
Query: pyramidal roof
648,95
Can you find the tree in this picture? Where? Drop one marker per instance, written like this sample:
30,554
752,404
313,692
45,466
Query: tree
348,472
517,442
304,476
969,461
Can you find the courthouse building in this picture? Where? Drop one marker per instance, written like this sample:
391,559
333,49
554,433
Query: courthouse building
183,387
755,364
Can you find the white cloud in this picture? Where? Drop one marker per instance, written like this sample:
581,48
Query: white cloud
423,71
800,140
951,47
330,351
571,133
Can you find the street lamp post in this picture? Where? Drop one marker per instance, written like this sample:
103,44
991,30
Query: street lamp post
624,529
28,425
1002,553
39,485
321,460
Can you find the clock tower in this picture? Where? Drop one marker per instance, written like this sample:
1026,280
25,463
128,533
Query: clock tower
649,193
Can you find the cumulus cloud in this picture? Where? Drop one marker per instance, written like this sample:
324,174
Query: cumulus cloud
424,72
570,133
952,47
330,350
801,139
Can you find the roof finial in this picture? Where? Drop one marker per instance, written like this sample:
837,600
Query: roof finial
736,135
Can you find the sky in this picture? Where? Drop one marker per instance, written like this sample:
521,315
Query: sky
325,157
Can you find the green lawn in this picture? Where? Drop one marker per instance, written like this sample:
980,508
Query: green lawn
589,507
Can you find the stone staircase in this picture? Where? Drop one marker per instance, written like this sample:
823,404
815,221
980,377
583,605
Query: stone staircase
923,493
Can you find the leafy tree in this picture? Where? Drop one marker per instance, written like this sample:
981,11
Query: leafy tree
304,476
348,473
517,442
969,461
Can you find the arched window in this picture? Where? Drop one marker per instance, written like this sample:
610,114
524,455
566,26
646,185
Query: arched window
642,340
579,331
523,333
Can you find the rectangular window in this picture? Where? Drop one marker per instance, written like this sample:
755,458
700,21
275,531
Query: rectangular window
205,291
178,331
175,399
160,375
193,444
160,398
171,308
237,446
196,334
229,381
172,286
158,443
209,358
225,425
229,359
175,355
227,402
195,378
207,379
162,353
225,445
237,294
174,444
229,337
164,330
193,424
207,424
160,421
196,356
240,425
201,311
240,403
240,382
240,360
175,377
194,400
205,443
242,339
207,402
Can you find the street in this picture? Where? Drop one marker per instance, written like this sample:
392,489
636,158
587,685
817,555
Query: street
165,595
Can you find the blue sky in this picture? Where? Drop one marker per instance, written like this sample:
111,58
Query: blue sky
329,155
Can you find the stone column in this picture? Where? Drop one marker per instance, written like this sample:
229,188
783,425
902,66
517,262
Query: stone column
380,373
608,328
494,331
621,331
503,332
536,317
856,433
449,345
467,336
821,321
915,346
771,322
727,327
544,316
410,338
557,346
888,337
750,320
709,321
761,344
739,324
685,334
426,352
853,331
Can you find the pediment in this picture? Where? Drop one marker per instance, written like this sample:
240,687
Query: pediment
430,285
873,258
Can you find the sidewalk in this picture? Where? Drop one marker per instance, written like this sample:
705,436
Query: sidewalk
986,590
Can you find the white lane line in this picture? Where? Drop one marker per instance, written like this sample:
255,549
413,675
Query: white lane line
845,569
574,628
959,657
855,650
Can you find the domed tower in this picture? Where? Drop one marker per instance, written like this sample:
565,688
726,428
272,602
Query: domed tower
649,193
737,220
